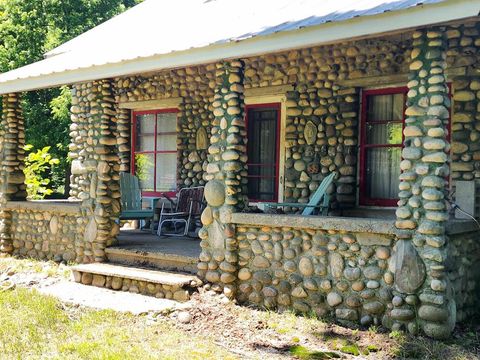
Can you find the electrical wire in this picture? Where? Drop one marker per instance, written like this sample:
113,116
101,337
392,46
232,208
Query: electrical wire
456,207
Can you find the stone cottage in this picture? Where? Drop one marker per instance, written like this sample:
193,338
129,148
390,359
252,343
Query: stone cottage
258,103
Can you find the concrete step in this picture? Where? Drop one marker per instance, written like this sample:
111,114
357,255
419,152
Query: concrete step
157,260
161,284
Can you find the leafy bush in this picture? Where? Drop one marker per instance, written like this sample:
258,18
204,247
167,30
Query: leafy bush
38,169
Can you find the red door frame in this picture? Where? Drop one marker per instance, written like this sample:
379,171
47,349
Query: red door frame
363,198
277,107
154,152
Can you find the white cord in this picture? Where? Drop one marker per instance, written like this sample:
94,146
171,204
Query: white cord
456,207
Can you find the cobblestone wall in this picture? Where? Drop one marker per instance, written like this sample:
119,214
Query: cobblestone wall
49,234
463,268
342,275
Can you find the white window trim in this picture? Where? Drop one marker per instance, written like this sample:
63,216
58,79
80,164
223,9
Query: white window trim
277,98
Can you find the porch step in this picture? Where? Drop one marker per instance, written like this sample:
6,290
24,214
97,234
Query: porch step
161,284
157,260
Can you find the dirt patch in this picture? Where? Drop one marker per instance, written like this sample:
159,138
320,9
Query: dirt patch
256,333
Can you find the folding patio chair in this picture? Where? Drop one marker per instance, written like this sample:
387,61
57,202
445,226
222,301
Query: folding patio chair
189,205
314,203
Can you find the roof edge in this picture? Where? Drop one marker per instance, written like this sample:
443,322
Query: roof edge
419,16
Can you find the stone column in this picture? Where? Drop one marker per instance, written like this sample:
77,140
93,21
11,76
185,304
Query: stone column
95,167
12,155
420,253
124,138
225,191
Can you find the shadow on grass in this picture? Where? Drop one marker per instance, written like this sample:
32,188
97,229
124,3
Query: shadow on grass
463,345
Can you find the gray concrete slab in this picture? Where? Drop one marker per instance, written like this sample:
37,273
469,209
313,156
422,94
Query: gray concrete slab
143,241
101,298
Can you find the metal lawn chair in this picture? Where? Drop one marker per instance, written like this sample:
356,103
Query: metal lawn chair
314,203
131,200
187,208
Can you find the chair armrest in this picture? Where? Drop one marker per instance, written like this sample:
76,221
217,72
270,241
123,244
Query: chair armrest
175,213
169,199
292,205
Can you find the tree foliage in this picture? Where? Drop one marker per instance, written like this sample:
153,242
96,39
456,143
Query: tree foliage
29,29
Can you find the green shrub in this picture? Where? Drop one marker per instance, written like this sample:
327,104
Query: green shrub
38,169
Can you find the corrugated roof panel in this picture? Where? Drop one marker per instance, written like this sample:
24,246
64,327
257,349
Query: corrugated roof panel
150,26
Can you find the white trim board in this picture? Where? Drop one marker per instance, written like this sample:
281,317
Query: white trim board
268,99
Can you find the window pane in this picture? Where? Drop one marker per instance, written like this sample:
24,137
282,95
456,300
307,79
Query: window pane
166,172
261,182
167,142
385,107
145,133
166,122
382,172
388,133
144,170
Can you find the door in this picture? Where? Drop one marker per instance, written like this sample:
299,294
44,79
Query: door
263,126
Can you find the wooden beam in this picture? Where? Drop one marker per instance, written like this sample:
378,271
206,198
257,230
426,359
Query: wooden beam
151,104
395,79
268,90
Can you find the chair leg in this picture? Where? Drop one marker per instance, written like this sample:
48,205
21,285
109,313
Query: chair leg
187,226
152,226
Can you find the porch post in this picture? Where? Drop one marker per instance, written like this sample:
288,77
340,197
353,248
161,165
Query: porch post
12,155
225,191
95,167
420,253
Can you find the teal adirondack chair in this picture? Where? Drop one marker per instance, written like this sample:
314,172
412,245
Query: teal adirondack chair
314,202
131,200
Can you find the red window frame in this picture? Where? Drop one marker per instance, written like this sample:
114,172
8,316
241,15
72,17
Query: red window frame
363,198
154,151
277,107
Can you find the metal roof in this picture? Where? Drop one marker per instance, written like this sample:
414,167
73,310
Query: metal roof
161,29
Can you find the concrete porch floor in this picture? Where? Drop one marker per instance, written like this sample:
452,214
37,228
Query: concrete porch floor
144,241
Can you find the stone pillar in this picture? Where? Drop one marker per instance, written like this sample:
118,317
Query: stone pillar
420,253
12,155
95,167
225,191
123,136
12,152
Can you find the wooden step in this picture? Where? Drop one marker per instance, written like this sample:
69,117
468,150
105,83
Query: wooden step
162,284
157,260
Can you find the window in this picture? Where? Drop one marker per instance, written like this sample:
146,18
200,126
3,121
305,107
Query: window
263,151
381,145
154,157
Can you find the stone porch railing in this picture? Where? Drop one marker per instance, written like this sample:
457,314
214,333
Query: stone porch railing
48,230
352,269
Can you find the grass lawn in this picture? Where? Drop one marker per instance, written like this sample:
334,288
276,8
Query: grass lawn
33,326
